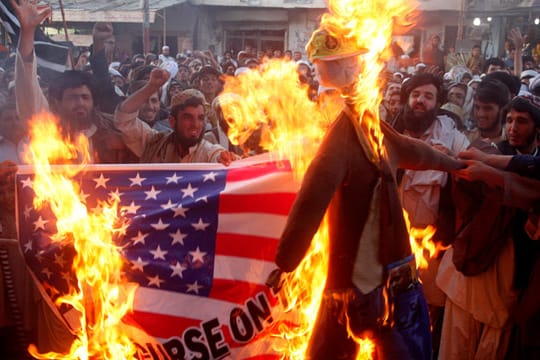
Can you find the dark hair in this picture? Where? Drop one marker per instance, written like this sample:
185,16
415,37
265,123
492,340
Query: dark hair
71,79
523,104
512,82
419,80
494,61
492,91
193,101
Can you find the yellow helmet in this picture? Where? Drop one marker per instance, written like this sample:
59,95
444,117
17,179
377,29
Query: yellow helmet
325,46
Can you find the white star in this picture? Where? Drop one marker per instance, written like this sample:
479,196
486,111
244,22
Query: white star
189,191
122,228
210,176
178,237
204,198
58,259
27,182
27,211
152,194
115,195
132,208
173,179
177,269
139,238
137,180
200,225
180,211
28,246
138,264
66,276
101,181
194,287
47,273
83,196
198,255
167,206
160,225
158,253
155,281
40,224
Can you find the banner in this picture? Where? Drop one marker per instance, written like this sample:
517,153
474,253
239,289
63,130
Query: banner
200,243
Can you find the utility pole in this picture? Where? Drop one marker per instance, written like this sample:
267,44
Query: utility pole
146,27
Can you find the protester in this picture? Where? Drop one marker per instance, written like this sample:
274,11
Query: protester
184,143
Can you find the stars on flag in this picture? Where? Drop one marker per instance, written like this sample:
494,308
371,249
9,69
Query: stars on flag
167,230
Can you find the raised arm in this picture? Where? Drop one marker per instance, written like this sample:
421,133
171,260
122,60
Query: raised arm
29,97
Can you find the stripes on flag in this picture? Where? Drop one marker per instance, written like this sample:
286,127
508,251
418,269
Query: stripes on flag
207,232
50,54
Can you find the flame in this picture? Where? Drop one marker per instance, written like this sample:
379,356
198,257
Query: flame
422,245
274,104
102,296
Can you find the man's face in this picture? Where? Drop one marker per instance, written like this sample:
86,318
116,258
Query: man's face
118,81
392,88
209,84
486,115
456,95
166,51
297,55
189,126
475,52
76,107
183,74
149,110
423,99
394,104
520,130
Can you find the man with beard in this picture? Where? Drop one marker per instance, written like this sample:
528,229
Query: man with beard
489,100
426,195
73,94
187,119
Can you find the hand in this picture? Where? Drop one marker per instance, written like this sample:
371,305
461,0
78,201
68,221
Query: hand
102,34
226,157
442,148
473,154
158,78
274,280
30,13
478,171
517,38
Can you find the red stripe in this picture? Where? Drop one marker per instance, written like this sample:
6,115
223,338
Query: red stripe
255,171
236,291
163,326
247,246
268,203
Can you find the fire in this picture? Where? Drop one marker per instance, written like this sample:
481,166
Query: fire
421,242
274,105
102,297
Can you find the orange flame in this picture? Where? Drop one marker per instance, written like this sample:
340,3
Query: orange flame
422,245
274,103
102,297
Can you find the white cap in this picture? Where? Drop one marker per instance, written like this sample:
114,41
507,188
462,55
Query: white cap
420,65
534,83
528,74
114,72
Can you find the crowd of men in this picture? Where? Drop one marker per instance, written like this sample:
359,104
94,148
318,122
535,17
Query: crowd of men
481,291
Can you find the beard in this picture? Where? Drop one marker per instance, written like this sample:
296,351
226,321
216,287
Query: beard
417,121
187,142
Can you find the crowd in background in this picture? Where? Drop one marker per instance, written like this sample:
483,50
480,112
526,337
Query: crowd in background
135,108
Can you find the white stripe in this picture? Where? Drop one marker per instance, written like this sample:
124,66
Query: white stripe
181,305
50,65
276,182
266,346
10,15
256,224
242,269
46,43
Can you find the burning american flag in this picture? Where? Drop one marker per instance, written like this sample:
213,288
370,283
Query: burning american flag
198,240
